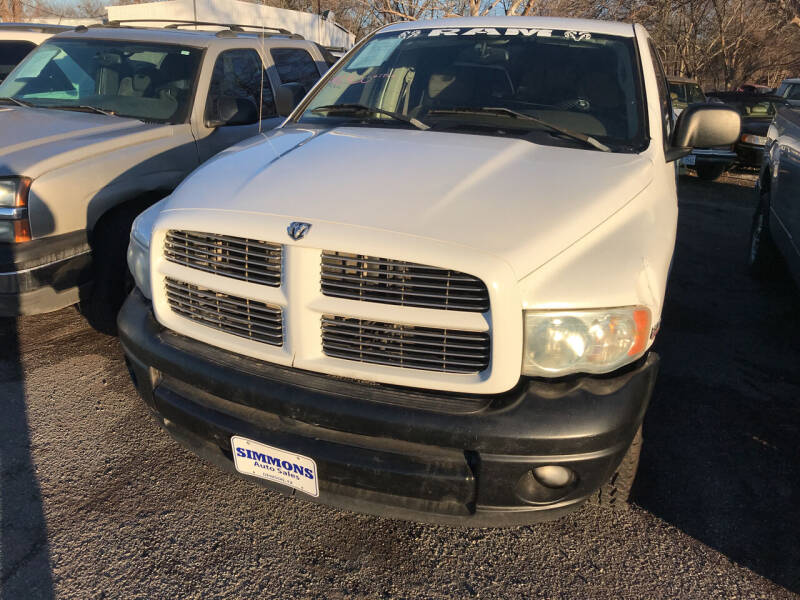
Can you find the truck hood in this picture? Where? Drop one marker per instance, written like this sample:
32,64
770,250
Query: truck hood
511,198
34,141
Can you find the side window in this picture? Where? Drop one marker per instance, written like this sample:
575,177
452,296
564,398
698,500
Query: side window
295,65
11,52
663,94
240,74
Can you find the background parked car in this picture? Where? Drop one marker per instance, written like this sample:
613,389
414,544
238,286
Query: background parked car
754,88
18,39
98,123
790,90
684,92
757,111
776,222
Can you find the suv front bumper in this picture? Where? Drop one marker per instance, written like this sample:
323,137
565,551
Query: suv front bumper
392,451
43,275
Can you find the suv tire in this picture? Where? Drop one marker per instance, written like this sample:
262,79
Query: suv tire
112,281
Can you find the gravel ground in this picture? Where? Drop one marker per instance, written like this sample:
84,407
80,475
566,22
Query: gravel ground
97,502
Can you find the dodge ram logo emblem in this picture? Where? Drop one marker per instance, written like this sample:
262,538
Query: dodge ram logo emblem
298,230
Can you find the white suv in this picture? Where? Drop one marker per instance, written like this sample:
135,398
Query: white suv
430,293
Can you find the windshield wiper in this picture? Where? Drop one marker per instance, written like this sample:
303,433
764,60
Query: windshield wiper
84,107
499,110
361,108
16,101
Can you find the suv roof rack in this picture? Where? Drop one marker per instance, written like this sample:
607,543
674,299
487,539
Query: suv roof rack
232,28
37,27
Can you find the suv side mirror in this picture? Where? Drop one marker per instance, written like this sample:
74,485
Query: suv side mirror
704,126
288,97
227,110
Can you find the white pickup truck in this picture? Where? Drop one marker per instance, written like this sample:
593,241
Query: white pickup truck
431,293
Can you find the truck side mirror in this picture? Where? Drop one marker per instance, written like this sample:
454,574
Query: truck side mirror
288,97
704,126
227,110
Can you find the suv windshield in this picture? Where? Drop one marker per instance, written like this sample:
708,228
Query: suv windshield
487,81
152,82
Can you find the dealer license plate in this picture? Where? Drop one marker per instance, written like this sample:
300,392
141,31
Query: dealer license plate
259,460
689,160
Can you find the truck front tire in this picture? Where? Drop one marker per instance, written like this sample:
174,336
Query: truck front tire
615,492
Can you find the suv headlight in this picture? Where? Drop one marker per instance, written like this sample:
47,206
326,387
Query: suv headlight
14,224
583,341
139,248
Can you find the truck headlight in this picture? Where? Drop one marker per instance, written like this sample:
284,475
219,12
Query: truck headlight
14,224
583,341
139,248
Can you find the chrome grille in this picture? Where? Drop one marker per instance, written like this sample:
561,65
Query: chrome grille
372,279
238,316
447,350
239,258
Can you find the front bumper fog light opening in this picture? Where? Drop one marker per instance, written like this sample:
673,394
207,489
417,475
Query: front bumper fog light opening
545,484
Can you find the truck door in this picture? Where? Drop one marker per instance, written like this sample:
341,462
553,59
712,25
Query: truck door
238,75
786,199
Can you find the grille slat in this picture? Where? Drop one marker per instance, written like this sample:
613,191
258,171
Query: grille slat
251,319
404,345
239,258
373,279
217,298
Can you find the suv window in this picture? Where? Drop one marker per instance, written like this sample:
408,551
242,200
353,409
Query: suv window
11,52
663,94
241,74
295,65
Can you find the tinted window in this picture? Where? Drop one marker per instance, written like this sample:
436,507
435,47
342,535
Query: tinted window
240,74
473,80
11,52
153,82
295,66
792,91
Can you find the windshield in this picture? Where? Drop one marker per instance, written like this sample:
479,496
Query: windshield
152,82
755,109
11,52
487,81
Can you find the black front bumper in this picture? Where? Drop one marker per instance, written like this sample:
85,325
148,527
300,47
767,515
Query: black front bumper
392,451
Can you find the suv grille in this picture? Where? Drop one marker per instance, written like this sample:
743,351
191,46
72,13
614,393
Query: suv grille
238,316
398,282
446,350
239,258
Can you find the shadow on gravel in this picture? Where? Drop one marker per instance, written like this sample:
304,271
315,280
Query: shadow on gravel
720,459
25,570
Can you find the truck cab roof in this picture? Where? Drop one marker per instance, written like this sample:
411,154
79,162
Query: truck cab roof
578,25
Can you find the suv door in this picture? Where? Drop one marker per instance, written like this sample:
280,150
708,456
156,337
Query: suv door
241,75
